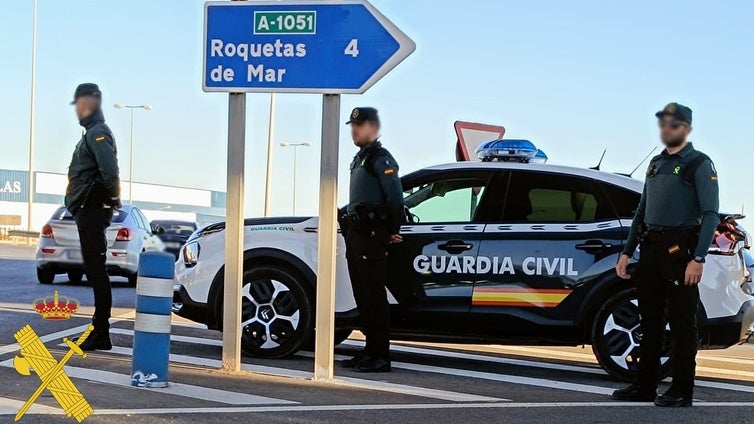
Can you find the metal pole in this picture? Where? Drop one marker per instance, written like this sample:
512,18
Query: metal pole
131,163
268,175
295,155
31,119
327,239
234,217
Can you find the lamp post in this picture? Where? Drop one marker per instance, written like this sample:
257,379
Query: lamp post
131,154
31,119
295,155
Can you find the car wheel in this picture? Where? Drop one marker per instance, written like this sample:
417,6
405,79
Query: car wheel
75,276
339,337
132,279
45,276
616,336
277,313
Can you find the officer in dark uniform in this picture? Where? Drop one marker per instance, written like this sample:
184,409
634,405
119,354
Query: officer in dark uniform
370,223
93,191
675,224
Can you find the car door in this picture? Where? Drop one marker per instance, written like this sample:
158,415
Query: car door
557,234
149,244
432,272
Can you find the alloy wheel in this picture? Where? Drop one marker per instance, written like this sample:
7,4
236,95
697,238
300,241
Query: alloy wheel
270,313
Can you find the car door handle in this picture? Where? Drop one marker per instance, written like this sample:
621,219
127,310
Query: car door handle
593,245
455,246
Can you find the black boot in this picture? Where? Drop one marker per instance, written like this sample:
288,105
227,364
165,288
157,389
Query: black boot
671,399
97,340
353,362
635,393
374,365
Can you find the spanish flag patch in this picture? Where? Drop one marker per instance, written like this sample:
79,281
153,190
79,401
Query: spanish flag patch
389,171
714,177
100,138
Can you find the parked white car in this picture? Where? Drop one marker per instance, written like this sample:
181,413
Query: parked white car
59,249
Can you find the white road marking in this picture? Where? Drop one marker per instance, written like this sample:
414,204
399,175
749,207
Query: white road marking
379,407
12,406
64,333
177,389
345,381
174,337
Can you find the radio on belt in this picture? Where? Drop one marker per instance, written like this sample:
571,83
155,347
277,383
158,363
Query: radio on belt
523,151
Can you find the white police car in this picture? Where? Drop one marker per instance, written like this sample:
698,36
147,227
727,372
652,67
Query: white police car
497,252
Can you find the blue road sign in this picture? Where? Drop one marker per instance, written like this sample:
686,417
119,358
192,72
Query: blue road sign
300,46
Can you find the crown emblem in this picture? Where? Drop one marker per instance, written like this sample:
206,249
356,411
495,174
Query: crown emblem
355,114
56,307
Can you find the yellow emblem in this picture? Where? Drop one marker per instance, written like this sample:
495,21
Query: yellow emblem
355,114
389,171
670,108
35,356
100,138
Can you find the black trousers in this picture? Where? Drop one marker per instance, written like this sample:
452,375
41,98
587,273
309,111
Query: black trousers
366,252
92,221
660,280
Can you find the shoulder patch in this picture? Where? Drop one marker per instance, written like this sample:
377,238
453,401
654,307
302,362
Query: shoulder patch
100,138
389,171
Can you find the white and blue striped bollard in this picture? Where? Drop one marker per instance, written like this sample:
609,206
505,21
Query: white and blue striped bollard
154,298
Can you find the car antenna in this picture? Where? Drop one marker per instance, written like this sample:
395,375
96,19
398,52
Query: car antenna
597,168
643,160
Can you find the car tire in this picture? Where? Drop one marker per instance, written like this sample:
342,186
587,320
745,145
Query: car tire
132,279
616,336
339,337
45,276
277,312
75,276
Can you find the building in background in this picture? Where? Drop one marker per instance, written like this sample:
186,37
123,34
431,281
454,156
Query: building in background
156,201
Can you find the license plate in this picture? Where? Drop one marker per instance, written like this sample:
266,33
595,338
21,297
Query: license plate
74,254
172,245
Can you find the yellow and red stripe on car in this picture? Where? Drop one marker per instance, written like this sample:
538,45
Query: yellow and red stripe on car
518,296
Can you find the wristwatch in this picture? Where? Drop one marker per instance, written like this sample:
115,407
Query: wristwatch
699,259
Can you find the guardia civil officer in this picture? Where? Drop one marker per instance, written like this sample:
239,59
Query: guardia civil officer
370,223
675,224
93,191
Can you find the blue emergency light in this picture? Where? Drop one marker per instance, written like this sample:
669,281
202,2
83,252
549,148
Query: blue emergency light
523,151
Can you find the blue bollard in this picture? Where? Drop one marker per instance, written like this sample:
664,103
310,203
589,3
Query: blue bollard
154,298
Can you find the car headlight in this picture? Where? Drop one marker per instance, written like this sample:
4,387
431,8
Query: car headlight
191,253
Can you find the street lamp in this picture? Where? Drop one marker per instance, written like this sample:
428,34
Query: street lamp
295,154
131,161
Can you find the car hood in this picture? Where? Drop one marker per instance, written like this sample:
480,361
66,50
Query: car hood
220,226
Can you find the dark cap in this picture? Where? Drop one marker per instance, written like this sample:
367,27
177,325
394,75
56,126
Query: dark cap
364,114
86,89
677,111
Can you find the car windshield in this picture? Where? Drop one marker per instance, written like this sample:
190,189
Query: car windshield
62,214
176,227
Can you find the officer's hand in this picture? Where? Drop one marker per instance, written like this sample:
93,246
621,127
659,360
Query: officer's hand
620,268
118,204
694,273
396,238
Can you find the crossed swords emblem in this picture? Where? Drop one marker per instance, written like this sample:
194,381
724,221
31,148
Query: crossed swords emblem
35,356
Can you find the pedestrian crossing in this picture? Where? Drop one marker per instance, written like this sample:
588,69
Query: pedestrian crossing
467,376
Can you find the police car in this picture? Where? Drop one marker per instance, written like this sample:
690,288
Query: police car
498,251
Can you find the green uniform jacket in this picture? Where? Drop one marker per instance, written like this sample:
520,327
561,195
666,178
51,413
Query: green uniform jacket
93,172
375,183
674,199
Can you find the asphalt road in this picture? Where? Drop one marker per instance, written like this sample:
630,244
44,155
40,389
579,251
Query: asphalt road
430,382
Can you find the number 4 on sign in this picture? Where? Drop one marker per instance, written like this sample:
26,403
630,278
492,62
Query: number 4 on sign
352,48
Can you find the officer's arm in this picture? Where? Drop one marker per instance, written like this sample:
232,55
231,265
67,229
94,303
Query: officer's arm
708,193
633,235
387,172
102,147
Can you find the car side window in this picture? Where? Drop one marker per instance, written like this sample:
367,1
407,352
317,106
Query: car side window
449,199
624,201
140,220
554,198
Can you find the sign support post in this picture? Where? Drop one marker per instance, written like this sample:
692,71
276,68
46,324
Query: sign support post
327,239
234,230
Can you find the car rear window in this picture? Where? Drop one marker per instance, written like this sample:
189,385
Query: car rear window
62,214
174,227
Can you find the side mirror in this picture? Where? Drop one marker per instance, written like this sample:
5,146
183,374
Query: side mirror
158,230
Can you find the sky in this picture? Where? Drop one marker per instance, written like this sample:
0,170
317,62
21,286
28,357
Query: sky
574,77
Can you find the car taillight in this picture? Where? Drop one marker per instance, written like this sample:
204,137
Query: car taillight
727,238
46,232
124,234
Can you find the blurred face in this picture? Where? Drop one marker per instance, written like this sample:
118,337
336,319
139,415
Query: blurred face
85,106
364,133
672,131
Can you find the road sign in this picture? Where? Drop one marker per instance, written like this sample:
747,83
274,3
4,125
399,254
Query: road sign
320,46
